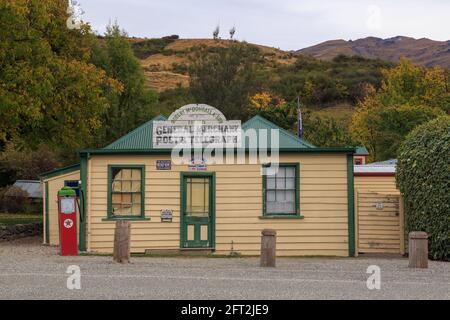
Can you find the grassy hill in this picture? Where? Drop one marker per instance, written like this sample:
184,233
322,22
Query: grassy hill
166,60
422,51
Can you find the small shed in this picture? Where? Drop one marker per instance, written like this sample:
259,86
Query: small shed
32,187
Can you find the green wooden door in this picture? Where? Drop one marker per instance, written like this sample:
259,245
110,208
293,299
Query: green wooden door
197,210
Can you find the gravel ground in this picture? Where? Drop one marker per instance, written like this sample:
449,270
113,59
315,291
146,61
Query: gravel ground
29,270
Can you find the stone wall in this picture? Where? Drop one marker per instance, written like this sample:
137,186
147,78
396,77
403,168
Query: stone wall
16,231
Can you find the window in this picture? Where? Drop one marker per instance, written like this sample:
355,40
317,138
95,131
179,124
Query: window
197,197
358,161
126,192
281,195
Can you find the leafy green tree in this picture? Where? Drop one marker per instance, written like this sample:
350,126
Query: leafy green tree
134,104
320,83
325,131
410,84
409,96
226,78
49,92
423,176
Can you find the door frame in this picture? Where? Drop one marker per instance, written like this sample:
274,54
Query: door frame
212,203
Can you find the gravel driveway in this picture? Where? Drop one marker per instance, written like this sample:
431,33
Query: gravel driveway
29,270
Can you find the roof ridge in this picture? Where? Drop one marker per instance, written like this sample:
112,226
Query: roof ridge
288,134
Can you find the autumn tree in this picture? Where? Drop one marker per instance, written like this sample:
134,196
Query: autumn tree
274,108
409,96
49,92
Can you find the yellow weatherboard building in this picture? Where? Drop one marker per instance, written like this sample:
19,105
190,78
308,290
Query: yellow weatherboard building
221,208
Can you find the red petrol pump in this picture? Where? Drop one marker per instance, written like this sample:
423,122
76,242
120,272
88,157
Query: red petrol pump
67,212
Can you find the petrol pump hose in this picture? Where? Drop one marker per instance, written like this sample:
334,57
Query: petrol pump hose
78,204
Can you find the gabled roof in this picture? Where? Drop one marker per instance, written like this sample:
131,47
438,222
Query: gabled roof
141,138
287,140
59,171
361,151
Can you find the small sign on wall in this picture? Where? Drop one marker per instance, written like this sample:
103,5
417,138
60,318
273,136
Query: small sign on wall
166,215
163,164
379,205
197,164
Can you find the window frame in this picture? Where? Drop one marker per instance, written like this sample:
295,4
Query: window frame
296,214
110,215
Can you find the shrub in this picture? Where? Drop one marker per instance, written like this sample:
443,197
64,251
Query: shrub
423,177
15,200
27,164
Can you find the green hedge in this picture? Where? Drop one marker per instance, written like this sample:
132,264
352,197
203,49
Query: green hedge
423,177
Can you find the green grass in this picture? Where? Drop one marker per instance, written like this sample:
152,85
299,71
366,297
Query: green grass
340,112
19,218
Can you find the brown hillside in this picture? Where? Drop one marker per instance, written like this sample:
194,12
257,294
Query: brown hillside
423,51
167,69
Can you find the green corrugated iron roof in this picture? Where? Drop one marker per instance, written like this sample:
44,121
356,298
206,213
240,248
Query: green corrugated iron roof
141,138
59,171
361,151
287,140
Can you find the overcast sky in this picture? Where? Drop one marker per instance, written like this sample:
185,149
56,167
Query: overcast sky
285,24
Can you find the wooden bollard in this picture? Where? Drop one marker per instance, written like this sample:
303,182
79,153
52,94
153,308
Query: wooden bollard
268,247
418,249
122,242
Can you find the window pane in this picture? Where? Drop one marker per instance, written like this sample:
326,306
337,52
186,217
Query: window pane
115,208
136,198
136,186
270,195
280,183
117,174
126,186
116,198
126,209
290,183
117,186
290,196
289,207
290,172
270,183
126,198
136,174
281,172
281,196
126,174
270,207
136,209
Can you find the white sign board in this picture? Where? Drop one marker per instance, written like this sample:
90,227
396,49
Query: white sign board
196,126
67,205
